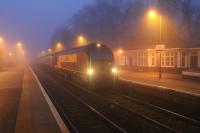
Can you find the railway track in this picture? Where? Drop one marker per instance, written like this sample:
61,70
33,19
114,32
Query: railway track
172,121
80,116
126,119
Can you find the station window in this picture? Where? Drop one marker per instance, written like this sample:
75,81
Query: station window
167,59
152,59
162,59
183,59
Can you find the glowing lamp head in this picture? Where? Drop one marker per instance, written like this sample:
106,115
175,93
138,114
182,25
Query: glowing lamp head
19,45
49,50
58,45
114,70
1,39
43,52
120,51
90,71
152,13
10,54
98,45
80,38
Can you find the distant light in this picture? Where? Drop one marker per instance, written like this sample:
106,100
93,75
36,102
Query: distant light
114,70
49,50
1,42
98,45
120,51
58,45
19,45
80,38
90,71
10,54
43,52
22,52
1,39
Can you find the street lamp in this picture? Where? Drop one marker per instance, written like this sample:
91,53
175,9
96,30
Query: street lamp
160,47
1,39
10,54
81,40
49,50
120,51
152,14
59,46
19,45
43,52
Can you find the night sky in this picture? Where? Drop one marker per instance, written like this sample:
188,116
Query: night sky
33,22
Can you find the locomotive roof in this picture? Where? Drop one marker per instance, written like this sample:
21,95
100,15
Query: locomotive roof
78,49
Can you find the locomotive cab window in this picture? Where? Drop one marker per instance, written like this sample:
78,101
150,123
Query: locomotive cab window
101,53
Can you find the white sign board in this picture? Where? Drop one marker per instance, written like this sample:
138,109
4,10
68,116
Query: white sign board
160,47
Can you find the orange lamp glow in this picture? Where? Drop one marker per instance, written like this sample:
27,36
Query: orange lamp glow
98,45
152,13
120,51
10,54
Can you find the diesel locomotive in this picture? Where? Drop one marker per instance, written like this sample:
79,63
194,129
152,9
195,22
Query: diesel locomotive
91,63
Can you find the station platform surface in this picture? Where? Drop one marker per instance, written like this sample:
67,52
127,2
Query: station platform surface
168,81
24,107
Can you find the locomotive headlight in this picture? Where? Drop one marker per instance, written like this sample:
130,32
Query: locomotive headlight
90,71
114,70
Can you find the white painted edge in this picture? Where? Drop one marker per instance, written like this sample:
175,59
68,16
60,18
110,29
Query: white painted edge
159,86
60,122
194,74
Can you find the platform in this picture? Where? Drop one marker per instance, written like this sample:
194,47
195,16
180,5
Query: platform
24,108
168,81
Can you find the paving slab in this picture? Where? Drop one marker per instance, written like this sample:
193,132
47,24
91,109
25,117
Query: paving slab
34,115
23,105
10,92
168,81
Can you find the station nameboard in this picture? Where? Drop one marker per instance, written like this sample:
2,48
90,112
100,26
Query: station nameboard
160,47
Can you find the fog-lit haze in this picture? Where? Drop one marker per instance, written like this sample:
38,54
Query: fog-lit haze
33,21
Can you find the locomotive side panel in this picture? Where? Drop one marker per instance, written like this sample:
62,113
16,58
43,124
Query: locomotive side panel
76,62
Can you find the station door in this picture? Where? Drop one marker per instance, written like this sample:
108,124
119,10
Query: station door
193,62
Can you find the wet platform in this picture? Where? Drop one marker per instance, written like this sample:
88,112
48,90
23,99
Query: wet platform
25,106
168,81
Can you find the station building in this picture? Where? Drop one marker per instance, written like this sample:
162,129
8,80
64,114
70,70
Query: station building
170,59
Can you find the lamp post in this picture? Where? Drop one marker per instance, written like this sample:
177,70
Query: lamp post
153,14
160,47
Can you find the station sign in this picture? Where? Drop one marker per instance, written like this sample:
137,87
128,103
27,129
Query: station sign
160,47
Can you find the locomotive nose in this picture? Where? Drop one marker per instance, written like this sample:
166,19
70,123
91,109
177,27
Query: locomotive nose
102,68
